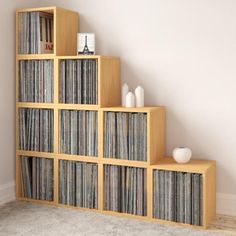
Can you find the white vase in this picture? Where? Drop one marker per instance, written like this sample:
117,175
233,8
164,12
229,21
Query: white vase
124,91
130,100
182,154
139,96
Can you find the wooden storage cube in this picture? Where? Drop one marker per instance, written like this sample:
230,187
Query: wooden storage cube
36,178
35,81
35,129
78,81
183,193
177,196
78,132
125,135
135,134
49,30
78,184
125,189
91,80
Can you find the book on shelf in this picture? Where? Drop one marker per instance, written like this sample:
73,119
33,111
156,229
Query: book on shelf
36,81
125,189
79,132
78,184
125,135
37,178
36,129
78,81
177,196
35,32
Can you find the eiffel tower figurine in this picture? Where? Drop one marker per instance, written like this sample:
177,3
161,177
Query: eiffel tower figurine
86,49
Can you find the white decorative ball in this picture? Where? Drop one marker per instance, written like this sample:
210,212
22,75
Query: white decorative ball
182,154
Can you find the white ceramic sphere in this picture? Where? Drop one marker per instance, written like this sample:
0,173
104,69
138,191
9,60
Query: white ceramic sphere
182,154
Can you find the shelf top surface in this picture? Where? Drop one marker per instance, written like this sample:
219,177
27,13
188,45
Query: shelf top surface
35,56
194,166
44,9
132,109
53,56
85,57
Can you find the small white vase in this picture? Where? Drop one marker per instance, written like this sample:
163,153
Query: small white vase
139,96
124,91
130,100
182,154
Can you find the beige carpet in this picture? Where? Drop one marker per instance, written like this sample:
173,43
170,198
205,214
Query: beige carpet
21,218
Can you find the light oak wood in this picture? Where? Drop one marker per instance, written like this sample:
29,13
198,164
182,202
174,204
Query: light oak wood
98,57
109,93
35,154
55,181
194,166
176,223
119,162
77,208
100,187
57,106
61,156
77,158
156,135
36,201
66,25
149,193
35,105
18,178
44,9
35,57
126,215
132,109
77,107
209,195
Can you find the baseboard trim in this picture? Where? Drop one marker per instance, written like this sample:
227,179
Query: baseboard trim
226,204
7,192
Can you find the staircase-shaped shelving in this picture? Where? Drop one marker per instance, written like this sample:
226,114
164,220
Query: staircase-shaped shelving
75,145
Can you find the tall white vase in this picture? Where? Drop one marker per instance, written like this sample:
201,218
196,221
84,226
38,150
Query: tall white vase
130,100
124,91
139,96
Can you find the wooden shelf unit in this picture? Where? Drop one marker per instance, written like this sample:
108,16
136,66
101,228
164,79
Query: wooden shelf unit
108,82
155,132
66,27
205,167
108,78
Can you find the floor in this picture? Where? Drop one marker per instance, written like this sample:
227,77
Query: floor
21,218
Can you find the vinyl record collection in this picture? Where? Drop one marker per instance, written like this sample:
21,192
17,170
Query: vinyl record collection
35,32
177,196
36,81
125,189
125,135
79,132
78,184
78,81
36,129
37,178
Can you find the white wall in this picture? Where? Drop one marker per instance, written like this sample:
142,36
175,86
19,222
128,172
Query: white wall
182,52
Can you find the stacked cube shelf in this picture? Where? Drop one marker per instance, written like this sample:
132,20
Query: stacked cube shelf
105,153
